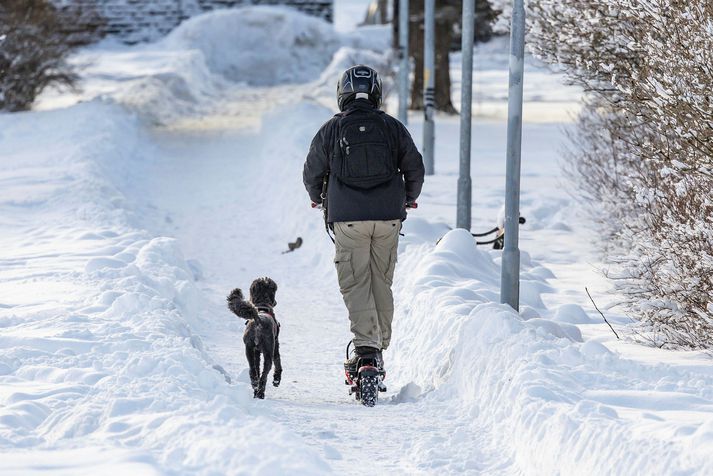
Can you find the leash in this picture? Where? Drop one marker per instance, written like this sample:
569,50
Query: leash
497,241
489,242
479,235
497,238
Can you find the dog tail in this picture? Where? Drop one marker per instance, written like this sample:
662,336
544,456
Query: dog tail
240,306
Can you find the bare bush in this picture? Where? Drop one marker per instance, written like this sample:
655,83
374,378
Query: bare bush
643,148
603,167
35,39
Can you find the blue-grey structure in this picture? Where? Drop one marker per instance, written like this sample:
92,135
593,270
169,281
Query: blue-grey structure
135,21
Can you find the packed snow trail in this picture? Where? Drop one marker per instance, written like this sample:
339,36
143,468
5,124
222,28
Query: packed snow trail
234,200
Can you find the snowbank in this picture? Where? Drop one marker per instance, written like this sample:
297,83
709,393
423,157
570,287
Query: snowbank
261,46
99,364
178,84
213,56
576,407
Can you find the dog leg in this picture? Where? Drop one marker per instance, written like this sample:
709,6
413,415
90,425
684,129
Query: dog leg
256,365
254,370
277,376
266,367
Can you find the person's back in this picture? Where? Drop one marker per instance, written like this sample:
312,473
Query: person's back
374,170
383,201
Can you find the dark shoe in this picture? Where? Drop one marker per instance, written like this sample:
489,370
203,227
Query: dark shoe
350,365
369,353
373,353
359,353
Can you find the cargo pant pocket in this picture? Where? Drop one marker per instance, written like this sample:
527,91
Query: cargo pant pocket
390,240
345,269
393,259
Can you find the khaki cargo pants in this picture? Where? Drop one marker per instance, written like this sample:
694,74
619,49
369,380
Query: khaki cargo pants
365,260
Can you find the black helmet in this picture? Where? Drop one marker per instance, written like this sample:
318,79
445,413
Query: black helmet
359,79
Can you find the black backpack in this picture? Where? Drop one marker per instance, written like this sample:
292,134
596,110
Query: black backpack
363,155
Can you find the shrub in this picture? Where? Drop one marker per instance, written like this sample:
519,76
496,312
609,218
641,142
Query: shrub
643,147
35,39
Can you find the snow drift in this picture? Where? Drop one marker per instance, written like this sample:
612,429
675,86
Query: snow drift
260,46
98,349
570,402
211,56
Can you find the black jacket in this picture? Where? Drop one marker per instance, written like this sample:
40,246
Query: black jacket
384,202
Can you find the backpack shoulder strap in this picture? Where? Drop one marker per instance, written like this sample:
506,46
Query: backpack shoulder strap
334,138
389,136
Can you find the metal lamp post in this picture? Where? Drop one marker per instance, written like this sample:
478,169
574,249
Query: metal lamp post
404,68
510,275
429,62
464,180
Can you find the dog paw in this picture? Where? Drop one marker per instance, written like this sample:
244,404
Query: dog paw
276,382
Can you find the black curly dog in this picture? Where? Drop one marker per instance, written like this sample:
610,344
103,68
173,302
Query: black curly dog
261,331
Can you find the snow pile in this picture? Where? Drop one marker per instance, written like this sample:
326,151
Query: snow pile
568,401
258,45
175,85
161,85
98,349
216,55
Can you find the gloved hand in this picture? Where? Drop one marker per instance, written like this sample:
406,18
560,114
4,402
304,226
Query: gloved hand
411,204
318,206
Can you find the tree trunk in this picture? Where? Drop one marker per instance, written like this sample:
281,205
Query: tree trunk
383,11
415,45
395,25
446,16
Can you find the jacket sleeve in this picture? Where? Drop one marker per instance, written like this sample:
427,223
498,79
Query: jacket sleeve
317,164
410,164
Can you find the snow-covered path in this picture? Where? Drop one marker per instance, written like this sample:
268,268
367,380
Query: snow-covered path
214,193
124,226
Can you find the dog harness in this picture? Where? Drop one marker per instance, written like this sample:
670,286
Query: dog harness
267,312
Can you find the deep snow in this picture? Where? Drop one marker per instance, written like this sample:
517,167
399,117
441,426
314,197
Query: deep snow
126,220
